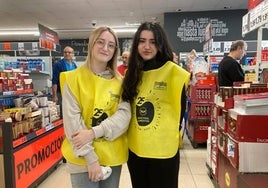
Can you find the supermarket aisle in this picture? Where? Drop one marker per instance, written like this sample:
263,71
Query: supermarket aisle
193,171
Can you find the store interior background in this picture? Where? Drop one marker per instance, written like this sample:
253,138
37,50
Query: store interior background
183,21
73,22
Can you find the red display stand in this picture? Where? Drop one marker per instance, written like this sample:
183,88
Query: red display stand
201,99
247,128
229,177
197,131
239,157
202,93
252,180
29,159
227,174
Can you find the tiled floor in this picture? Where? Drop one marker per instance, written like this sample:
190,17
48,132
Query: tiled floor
193,171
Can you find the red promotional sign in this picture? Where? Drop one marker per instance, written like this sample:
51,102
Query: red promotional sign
32,161
7,46
48,38
253,3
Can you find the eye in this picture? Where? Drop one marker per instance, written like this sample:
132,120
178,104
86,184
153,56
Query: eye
141,40
111,45
101,42
152,41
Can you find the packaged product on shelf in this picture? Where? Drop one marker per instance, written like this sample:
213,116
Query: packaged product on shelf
32,103
3,116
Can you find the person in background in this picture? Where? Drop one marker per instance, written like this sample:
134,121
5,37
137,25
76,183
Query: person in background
123,67
64,64
94,131
175,58
229,68
156,89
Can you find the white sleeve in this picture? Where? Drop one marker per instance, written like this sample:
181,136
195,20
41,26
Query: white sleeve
72,122
115,125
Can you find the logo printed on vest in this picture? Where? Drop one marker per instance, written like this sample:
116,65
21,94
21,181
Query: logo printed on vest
114,97
98,117
144,112
160,85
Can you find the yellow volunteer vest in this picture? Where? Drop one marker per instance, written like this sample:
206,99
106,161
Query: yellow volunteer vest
154,126
98,98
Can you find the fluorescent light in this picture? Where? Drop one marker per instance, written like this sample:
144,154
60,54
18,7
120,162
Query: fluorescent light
126,30
5,32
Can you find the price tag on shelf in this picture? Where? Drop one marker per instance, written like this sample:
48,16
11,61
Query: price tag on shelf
40,131
49,127
19,141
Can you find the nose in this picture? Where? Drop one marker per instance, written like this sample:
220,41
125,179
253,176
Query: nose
105,46
147,44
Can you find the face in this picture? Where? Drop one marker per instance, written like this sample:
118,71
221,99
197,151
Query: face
104,47
68,53
125,57
175,58
147,48
241,51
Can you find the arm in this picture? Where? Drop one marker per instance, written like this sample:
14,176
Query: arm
73,122
110,128
55,81
238,74
233,71
54,93
114,126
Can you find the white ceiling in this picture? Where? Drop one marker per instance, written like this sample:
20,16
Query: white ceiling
73,18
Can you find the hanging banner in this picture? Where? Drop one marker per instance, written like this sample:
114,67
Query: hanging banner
255,18
208,32
48,38
253,3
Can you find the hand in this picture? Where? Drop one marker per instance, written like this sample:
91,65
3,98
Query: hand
81,137
55,98
95,172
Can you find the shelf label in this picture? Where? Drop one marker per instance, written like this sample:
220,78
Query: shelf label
20,46
7,46
58,122
19,141
35,45
40,131
49,127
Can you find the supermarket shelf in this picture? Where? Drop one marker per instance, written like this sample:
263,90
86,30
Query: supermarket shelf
18,92
36,133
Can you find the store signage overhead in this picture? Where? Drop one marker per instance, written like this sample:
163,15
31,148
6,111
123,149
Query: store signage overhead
207,47
18,46
253,3
48,38
255,18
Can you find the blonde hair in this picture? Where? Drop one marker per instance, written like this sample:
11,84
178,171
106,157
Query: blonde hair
112,64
